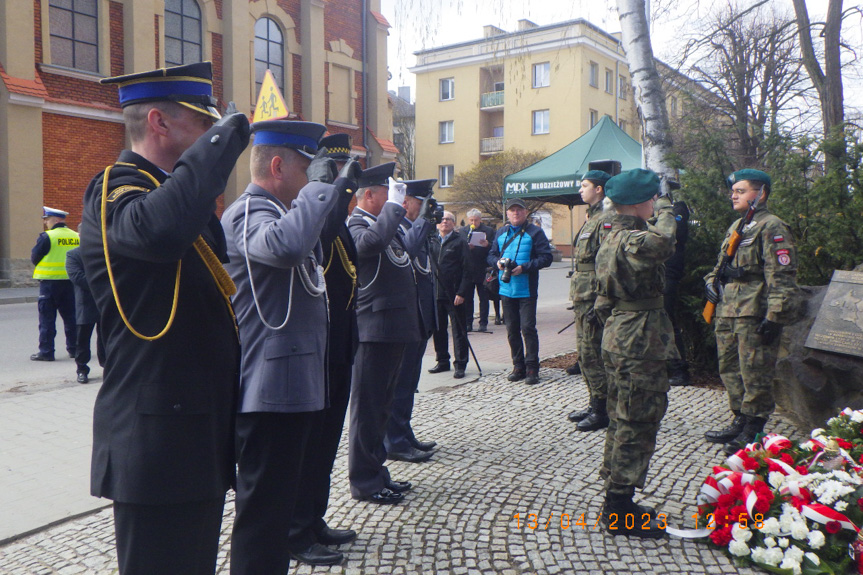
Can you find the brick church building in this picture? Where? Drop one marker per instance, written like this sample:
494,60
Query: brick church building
59,126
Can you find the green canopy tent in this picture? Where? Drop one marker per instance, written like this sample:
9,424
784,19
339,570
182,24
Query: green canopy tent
557,178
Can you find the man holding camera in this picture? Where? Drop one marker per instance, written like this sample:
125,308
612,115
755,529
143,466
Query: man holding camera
418,225
519,251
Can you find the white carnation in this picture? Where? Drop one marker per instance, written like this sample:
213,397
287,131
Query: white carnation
799,530
775,479
771,526
816,539
813,557
738,548
769,542
759,555
783,542
841,505
739,533
792,565
774,556
794,554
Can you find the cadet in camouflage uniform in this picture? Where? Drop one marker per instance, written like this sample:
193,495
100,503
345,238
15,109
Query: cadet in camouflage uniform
637,341
754,298
588,330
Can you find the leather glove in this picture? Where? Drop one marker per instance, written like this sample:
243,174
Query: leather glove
769,330
396,192
711,292
322,169
348,176
236,121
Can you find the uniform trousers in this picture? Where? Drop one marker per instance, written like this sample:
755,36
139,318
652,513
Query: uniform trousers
588,344
479,288
84,333
270,451
670,298
56,296
746,366
373,383
446,310
637,401
177,539
520,315
308,516
399,432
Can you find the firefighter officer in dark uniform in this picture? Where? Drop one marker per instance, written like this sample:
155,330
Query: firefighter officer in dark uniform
153,249
56,292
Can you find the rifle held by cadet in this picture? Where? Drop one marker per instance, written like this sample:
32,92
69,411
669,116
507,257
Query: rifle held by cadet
731,251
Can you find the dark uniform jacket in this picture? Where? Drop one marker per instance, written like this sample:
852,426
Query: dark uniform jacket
454,267
283,366
85,306
387,300
417,237
478,254
163,421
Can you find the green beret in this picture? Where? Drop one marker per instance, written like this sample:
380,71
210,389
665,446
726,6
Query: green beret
598,177
632,187
748,174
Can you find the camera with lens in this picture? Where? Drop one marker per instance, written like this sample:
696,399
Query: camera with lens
508,265
433,212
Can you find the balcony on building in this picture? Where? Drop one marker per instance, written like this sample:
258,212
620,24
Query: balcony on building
491,86
490,146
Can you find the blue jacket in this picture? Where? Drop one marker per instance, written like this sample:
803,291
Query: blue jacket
530,250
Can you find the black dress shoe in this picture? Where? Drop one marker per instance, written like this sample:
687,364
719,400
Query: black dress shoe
41,357
439,367
384,497
82,378
498,321
532,377
483,327
423,445
328,536
459,373
398,486
516,375
411,455
574,369
469,327
317,554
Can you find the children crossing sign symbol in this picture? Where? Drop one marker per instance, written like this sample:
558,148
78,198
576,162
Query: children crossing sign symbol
271,104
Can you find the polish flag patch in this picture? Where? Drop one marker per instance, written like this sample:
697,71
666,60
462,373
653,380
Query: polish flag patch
606,225
779,238
783,257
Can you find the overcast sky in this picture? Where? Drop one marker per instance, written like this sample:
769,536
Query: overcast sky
423,24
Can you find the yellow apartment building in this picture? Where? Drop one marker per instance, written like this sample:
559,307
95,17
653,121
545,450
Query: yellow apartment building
536,89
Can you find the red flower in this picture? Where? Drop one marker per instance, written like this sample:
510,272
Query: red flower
773,466
736,491
721,516
802,470
843,443
861,459
726,500
762,505
721,537
750,464
797,502
786,458
832,527
860,503
736,511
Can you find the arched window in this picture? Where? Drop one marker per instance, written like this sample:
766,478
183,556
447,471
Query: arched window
182,32
269,53
74,34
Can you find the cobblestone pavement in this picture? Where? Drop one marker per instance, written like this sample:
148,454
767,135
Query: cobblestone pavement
506,450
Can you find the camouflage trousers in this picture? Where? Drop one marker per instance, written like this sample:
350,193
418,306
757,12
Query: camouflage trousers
588,344
637,401
746,366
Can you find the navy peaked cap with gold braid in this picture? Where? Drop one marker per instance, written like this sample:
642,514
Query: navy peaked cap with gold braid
300,136
338,146
377,176
419,188
190,85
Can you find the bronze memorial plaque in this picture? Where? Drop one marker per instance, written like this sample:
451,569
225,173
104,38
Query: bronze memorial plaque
838,326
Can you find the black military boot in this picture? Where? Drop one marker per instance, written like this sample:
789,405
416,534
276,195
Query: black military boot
577,416
622,516
598,418
728,433
752,427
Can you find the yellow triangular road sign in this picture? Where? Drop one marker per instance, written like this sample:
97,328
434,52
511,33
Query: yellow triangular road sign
271,104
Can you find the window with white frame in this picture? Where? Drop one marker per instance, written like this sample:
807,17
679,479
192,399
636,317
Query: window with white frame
447,89
609,81
445,175
446,132
594,118
269,53
542,75
594,74
182,32
74,34
540,122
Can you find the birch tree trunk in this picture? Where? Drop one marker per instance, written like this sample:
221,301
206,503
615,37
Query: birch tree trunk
647,87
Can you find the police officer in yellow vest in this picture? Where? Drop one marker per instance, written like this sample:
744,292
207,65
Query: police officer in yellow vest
55,290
